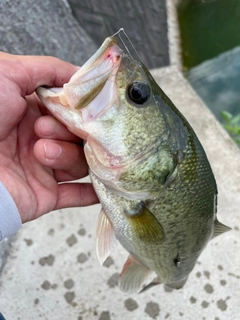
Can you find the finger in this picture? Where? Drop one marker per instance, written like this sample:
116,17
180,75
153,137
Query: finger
35,71
62,176
32,72
47,71
13,109
75,195
62,156
51,128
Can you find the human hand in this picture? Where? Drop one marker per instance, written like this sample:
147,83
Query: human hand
37,153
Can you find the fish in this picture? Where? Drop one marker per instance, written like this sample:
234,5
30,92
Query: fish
147,166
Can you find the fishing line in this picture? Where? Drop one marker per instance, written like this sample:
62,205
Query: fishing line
118,33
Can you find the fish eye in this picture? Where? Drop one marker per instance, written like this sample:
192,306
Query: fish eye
138,92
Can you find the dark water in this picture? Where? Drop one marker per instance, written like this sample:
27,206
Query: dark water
207,28
217,82
210,40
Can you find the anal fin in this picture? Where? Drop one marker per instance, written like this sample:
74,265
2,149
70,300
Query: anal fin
133,275
105,237
156,281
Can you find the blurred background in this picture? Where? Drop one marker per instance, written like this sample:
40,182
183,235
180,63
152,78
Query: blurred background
210,56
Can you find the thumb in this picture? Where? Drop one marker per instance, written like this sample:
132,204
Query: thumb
30,72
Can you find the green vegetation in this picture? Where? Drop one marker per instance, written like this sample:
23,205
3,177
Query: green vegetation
207,28
232,125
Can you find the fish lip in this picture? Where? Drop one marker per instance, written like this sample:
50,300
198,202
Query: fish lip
70,97
89,80
43,90
96,58
98,68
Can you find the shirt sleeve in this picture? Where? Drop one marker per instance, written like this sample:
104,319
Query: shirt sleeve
10,220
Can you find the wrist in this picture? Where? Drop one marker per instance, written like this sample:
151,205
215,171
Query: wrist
10,220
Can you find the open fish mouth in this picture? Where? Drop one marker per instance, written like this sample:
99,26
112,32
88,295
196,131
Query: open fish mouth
84,86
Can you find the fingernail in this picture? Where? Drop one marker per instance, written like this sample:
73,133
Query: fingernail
47,128
52,150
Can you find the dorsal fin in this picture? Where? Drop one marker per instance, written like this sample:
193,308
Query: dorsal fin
219,228
155,281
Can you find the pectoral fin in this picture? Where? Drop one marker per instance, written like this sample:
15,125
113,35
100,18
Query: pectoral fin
133,275
106,240
219,228
145,226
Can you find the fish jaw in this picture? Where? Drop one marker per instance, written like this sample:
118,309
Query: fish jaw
54,100
74,104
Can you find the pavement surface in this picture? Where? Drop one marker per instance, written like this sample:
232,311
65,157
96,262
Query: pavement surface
52,271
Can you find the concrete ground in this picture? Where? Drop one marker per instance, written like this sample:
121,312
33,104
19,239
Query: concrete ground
52,271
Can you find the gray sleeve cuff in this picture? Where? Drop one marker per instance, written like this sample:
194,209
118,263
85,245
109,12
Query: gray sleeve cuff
10,220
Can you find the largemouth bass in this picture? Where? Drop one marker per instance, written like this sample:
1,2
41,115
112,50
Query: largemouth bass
147,166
